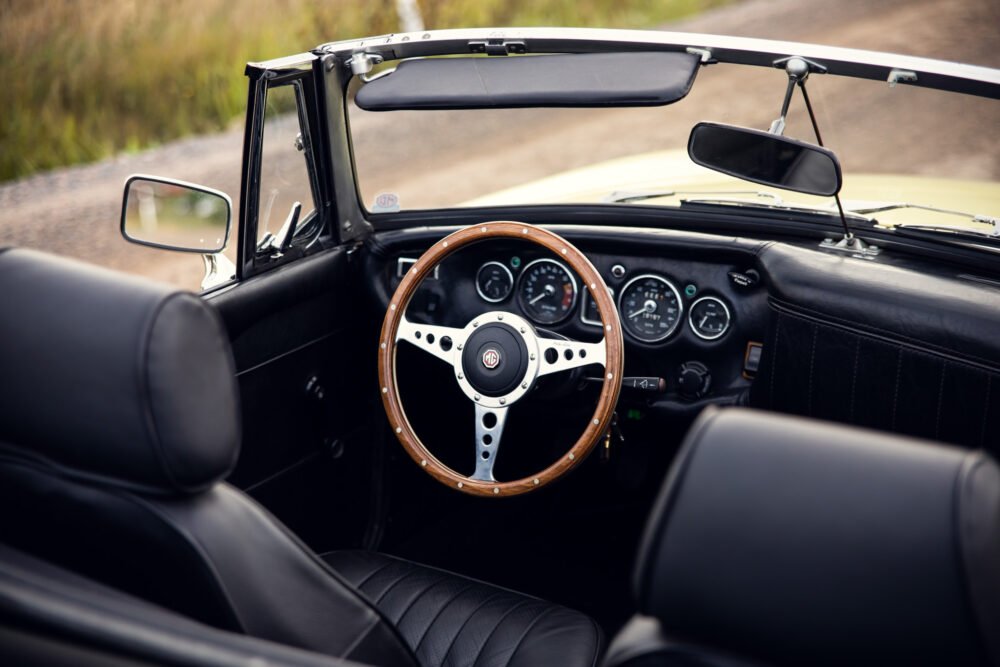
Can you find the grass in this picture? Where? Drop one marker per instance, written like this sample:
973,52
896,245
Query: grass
85,79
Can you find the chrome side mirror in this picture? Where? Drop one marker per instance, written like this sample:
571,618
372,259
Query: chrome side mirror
174,215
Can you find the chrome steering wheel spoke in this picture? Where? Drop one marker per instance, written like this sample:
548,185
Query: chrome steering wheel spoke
489,430
433,339
564,355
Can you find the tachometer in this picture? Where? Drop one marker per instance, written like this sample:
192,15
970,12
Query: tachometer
494,282
650,308
709,318
547,291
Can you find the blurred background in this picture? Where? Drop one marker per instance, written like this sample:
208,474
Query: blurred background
94,90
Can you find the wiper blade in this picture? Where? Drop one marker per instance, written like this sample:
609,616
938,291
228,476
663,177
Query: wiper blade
892,206
713,198
627,196
963,233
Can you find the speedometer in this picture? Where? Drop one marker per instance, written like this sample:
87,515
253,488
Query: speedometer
650,308
547,291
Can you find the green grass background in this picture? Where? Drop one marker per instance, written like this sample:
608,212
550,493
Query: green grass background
83,79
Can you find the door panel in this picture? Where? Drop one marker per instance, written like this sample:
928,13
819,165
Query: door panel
305,449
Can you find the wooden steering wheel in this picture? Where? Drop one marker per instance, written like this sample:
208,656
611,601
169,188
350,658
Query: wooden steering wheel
497,358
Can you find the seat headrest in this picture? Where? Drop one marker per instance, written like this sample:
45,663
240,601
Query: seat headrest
790,541
113,377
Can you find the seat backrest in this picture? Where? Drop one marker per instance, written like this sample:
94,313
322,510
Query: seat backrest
119,417
783,541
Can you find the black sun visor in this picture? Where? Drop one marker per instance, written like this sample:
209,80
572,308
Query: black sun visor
564,80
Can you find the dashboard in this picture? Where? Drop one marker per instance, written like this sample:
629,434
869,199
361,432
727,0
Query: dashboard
693,322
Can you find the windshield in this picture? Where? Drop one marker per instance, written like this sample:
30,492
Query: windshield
895,144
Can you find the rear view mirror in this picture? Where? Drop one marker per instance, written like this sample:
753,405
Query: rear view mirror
174,215
765,158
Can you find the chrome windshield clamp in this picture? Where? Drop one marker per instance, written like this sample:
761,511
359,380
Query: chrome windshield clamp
901,76
705,54
363,63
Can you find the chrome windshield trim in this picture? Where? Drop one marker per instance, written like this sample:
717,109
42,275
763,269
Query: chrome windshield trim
858,63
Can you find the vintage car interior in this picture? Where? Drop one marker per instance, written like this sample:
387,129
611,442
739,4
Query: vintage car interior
622,431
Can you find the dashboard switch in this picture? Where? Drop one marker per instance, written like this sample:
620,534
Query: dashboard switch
693,379
745,279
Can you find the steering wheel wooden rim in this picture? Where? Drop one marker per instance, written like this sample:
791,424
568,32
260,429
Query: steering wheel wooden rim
614,363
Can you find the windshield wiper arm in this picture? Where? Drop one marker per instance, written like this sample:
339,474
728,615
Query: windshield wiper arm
626,196
963,233
892,206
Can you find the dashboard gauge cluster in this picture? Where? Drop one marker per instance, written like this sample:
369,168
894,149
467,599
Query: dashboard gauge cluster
650,305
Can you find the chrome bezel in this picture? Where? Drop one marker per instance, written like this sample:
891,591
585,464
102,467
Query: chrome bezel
725,308
509,275
520,284
680,308
585,301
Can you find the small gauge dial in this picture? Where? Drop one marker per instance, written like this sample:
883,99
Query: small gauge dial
547,291
650,308
709,318
494,282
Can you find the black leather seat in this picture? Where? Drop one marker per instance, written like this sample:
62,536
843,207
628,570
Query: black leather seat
119,418
782,541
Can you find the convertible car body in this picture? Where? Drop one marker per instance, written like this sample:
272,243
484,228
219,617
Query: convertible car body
530,347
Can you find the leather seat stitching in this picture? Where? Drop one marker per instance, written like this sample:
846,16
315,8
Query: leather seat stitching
400,578
466,622
527,630
440,611
370,575
417,598
496,627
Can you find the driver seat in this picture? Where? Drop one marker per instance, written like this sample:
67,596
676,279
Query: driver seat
119,418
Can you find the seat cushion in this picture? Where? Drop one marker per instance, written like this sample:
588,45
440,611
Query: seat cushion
451,620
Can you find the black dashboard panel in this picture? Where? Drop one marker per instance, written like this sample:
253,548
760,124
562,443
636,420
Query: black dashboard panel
696,272
898,344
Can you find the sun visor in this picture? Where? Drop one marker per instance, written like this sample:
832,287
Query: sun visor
564,80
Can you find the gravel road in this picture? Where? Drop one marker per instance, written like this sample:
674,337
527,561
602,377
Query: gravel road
75,211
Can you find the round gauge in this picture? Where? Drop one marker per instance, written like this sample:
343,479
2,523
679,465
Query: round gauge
547,291
494,282
709,318
650,308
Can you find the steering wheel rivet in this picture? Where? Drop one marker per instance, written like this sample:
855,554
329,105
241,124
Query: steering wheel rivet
399,429
496,490
523,329
524,385
503,401
564,251
475,324
535,481
392,306
608,327
460,485
611,375
572,456
385,390
532,357
500,317
460,376
483,230
476,397
445,244
423,462
383,346
460,346
596,422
